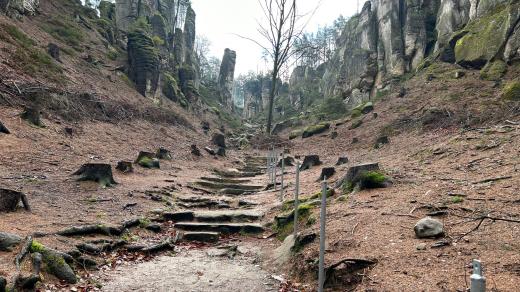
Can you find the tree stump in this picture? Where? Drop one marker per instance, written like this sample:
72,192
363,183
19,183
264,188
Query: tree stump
163,154
10,199
221,151
219,140
195,150
147,160
8,241
97,172
310,161
287,161
342,160
125,167
54,51
32,116
3,129
355,172
326,173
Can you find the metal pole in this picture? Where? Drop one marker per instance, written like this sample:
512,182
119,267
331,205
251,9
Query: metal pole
321,275
296,203
274,166
478,282
281,180
268,169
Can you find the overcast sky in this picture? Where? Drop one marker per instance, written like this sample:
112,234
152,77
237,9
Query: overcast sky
220,20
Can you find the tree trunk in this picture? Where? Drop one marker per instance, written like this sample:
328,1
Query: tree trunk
271,96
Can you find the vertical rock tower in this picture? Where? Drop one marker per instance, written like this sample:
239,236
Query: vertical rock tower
226,77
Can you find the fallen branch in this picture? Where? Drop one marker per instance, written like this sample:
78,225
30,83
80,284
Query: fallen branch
481,219
399,215
494,179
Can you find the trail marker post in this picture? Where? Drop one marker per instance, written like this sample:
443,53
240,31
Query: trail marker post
323,219
275,160
296,203
478,282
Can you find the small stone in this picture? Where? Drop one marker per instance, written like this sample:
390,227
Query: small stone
154,227
421,246
8,241
428,227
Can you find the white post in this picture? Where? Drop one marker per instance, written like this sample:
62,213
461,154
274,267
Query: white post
275,162
296,203
321,275
478,282
281,180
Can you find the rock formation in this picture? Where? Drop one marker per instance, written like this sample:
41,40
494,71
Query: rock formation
226,77
388,39
19,8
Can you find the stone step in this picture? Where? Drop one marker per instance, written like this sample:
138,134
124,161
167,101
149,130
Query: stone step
226,180
236,174
220,186
195,202
224,228
214,216
209,237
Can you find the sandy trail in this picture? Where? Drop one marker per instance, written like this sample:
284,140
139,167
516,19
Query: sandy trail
195,270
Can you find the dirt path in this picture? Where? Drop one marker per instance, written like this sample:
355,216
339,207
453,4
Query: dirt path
195,270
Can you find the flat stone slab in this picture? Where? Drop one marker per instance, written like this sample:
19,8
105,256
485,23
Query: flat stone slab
224,228
219,186
228,216
209,237
226,180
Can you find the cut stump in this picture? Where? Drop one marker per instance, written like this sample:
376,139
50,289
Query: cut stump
3,129
97,172
163,154
10,199
219,140
125,167
32,116
310,161
147,160
195,150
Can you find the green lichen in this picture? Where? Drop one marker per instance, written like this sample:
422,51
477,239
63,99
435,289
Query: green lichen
511,91
170,88
493,71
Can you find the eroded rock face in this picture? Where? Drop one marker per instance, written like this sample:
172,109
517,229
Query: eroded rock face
226,77
392,37
19,8
143,62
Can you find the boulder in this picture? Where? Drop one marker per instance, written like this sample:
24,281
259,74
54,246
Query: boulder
310,161
326,173
219,139
316,129
342,160
428,227
163,154
3,129
147,160
8,241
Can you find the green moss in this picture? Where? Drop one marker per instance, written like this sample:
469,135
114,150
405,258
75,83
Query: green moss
372,180
144,222
511,90
317,195
170,88
457,199
17,35
483,37
356,113
35,62
295,134
158,41
36,247
315,129
493,71
148,162
66,31
285,222
356,124
141,24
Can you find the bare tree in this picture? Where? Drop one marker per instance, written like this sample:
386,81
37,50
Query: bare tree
280,31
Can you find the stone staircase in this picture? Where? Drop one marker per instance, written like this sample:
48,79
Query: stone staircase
221,210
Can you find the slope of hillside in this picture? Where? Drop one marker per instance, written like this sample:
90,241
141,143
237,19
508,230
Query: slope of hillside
449,139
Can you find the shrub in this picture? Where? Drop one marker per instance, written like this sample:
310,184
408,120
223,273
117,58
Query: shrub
65,31
332,108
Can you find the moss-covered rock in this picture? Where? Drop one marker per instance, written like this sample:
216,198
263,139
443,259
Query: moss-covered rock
143,61
483,37
494,70
295,134
170,88
315,129
147,160
55,263
511,90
